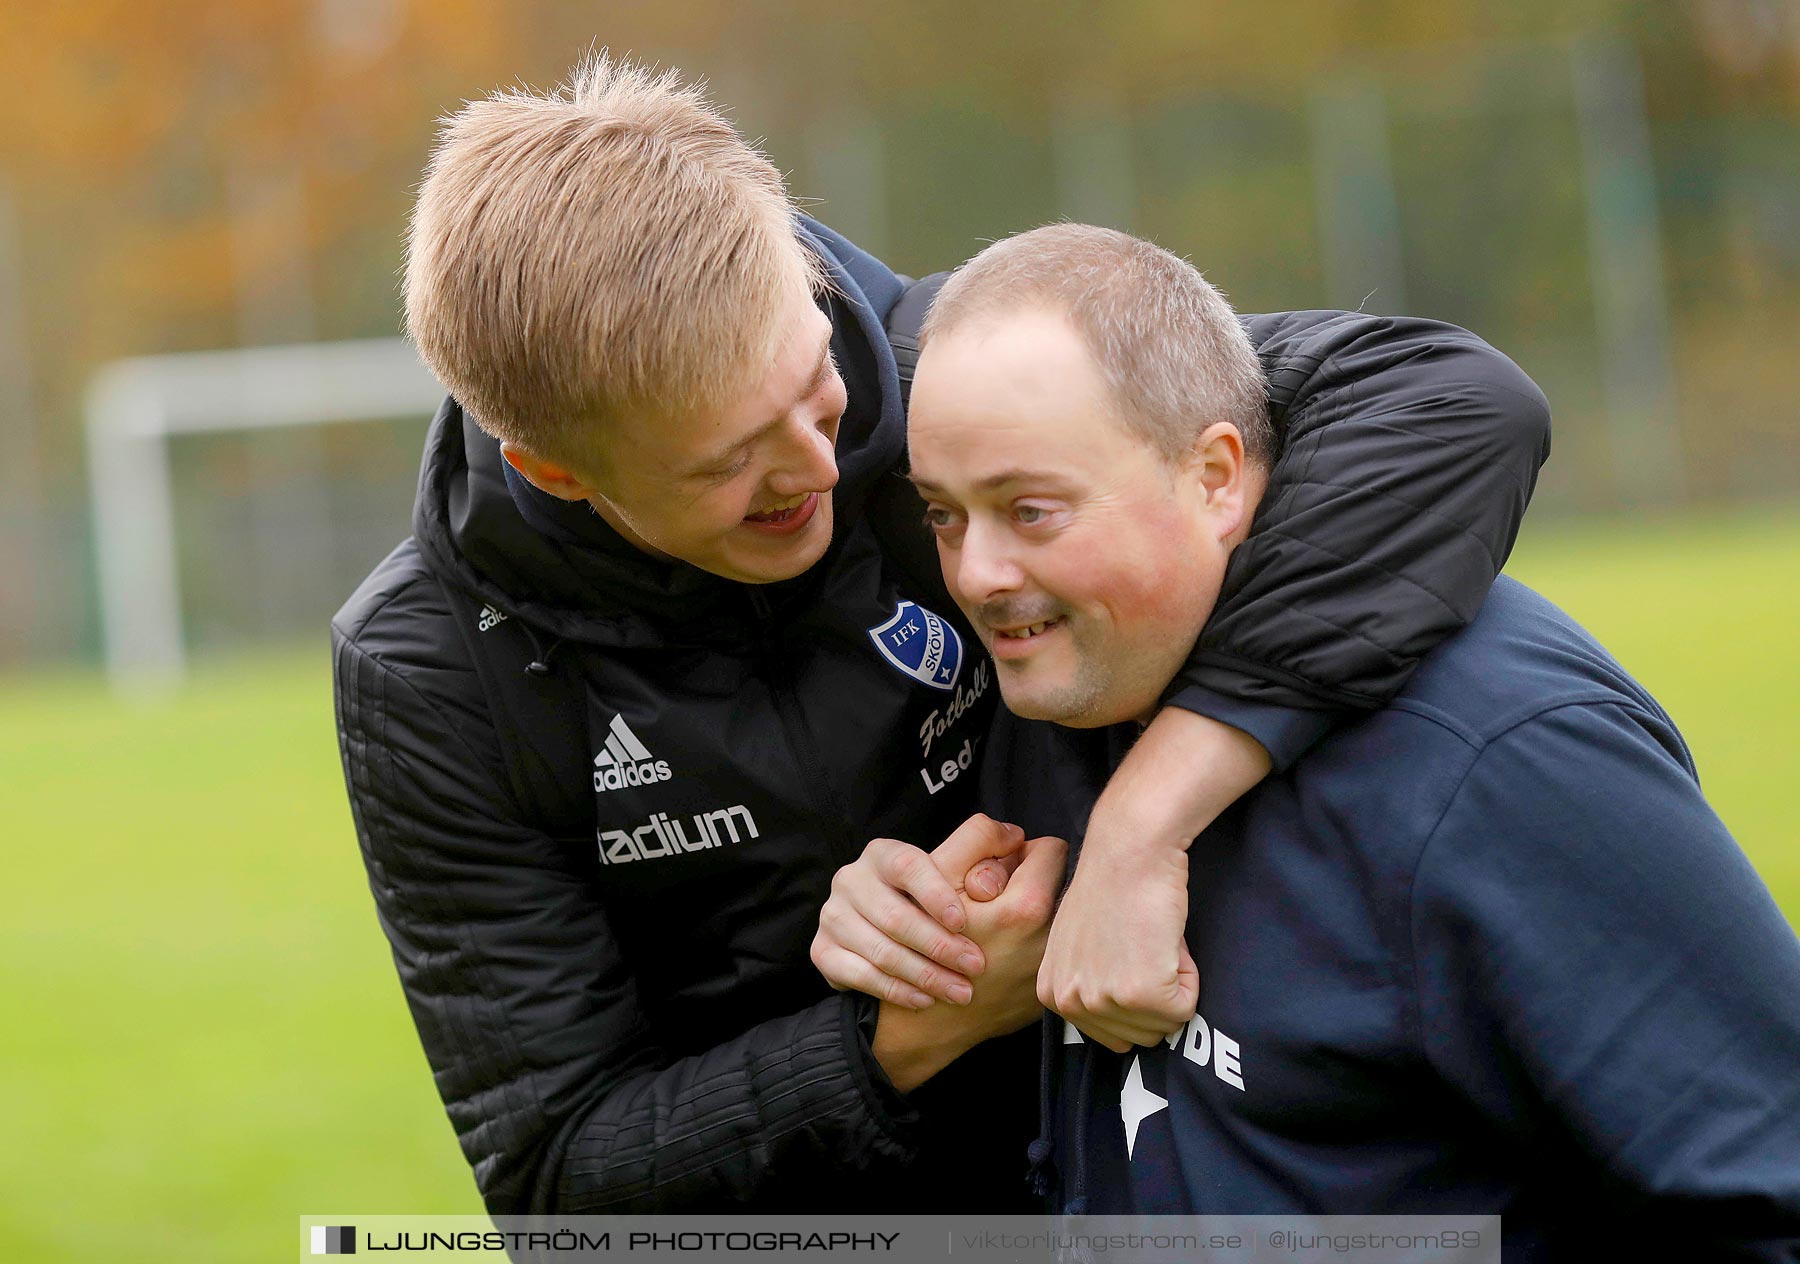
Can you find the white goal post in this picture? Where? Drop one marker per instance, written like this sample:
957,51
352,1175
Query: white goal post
135,406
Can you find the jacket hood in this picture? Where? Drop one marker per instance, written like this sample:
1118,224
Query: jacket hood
588,584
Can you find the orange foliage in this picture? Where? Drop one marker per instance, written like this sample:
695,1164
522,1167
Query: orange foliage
140,142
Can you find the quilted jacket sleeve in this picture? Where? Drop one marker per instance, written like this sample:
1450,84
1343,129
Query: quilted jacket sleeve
1409,450
558,1092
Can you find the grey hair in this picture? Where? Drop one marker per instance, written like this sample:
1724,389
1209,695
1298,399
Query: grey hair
1172,352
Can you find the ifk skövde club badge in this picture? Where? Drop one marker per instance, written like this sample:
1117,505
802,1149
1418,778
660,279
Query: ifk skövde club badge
922,645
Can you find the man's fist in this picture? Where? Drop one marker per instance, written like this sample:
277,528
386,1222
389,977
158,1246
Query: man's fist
912,1046
1117,964
891,926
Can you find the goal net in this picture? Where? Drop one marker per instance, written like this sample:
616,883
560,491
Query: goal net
268,525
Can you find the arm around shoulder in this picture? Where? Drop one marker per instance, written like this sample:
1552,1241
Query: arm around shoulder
1409,451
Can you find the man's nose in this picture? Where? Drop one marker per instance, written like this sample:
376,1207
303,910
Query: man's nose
985,566
809,459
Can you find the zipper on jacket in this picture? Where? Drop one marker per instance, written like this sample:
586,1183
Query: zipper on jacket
822,791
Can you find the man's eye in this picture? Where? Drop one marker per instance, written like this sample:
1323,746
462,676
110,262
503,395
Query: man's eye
726,473
938,518
1029,515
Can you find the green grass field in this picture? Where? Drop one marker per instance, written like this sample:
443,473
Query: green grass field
205,1038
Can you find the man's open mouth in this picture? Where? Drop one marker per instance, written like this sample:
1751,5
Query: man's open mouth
785,517
1028,631
782,510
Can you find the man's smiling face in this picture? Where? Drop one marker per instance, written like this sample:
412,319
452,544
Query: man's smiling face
742,490
745,491
1086,562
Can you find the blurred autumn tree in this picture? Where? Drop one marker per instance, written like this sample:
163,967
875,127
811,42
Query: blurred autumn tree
181,172
193,174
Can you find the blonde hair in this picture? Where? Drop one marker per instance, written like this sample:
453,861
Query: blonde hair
1170,349
611,248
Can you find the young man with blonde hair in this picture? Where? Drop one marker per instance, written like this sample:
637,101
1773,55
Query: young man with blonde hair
587,354
658,660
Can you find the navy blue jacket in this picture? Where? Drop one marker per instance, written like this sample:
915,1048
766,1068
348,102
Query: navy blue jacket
1486,951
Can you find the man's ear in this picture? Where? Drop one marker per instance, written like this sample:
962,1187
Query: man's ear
546,476
1218,466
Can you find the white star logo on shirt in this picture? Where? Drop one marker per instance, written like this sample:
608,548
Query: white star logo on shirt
1136,1104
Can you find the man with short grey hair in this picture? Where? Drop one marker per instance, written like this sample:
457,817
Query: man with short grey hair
1486,951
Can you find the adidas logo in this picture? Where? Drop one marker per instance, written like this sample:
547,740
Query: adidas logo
626,761
490,618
